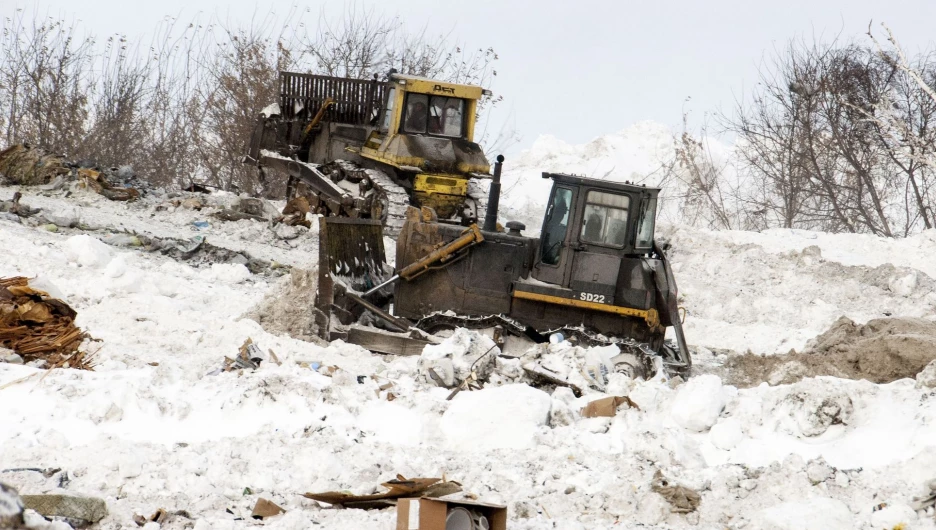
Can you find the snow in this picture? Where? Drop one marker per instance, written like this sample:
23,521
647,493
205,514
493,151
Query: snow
814,514
726,434
87,251
636,154
698,403
506,417
892,516
150,428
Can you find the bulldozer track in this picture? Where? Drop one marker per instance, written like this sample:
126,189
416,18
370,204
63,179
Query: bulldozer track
637,358
389,200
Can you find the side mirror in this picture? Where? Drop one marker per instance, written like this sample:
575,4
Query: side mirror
663,244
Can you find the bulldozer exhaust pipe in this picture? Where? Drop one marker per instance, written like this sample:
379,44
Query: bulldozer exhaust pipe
490,217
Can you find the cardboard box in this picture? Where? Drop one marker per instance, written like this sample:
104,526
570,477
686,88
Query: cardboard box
430,514
606,407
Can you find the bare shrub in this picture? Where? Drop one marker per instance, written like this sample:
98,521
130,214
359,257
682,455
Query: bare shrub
183,108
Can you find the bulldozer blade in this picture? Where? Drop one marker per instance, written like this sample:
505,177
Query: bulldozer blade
353,248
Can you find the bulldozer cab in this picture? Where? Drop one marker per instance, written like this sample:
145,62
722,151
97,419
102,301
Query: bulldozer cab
427,127
417,106
590,225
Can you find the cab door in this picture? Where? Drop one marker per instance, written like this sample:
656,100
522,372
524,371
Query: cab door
554,257
601,242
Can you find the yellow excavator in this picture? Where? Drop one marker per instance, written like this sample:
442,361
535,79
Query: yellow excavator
369,149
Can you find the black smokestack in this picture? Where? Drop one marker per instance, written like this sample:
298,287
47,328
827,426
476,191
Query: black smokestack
490,218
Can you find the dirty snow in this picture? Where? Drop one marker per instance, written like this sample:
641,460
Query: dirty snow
150,428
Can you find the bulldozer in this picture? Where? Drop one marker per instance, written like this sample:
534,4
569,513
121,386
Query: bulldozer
596,274
369,149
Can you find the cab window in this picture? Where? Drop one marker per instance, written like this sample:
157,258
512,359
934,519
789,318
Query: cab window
436,115
417,113
605,219
645,224
555,226
388,114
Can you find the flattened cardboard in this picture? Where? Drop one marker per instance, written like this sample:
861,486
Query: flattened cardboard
266,508
606,407
430,514
399,487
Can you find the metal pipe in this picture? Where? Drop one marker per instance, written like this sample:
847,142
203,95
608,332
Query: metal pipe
373,290
394,322
471,236
490,217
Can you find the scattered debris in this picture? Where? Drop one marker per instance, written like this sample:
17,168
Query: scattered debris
450,514
4,216
261,208
122,240
46,472
38,328
265,508
928,500
11,507
197,251
250,208
195,187
26,165
294,214
160,516
192,203
94,180
606,407
681,498
228,214
248,357
459,360
538,373
86,509
471,382
15,207
399,487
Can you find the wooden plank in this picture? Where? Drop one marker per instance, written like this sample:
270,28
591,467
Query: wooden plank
384,342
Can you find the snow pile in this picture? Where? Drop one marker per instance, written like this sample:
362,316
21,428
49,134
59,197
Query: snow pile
290,309
773,297
634,154
643,153
818,513
87,251
699,403
505,417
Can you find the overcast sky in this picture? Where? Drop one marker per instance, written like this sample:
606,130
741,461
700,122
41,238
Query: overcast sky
580,69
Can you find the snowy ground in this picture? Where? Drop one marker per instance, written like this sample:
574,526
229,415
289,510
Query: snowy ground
151,429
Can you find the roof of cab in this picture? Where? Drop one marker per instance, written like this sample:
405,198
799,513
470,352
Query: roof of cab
608,184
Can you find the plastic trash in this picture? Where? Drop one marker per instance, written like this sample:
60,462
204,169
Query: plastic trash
598,365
